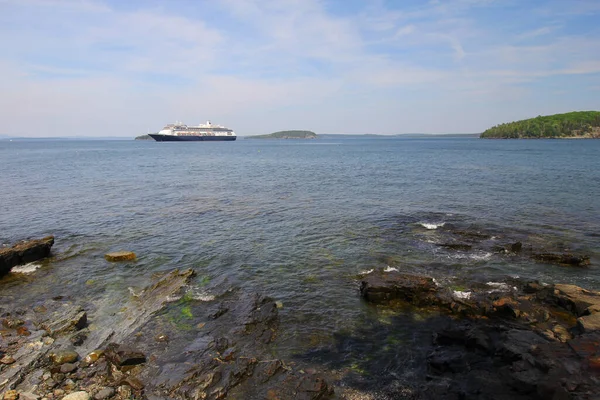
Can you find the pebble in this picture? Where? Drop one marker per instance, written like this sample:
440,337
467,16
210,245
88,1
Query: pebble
77,396
105,393
162,338
28,396
64,356
11,395
7,360
67,367
125,391
93,356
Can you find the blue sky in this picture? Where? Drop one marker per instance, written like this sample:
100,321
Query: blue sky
121,68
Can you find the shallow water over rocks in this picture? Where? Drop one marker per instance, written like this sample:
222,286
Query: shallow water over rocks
298,222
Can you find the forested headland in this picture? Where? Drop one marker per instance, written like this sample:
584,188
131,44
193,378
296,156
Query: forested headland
577,124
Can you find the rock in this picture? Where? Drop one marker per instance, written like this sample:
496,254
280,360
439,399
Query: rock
7,360
105,393
579,301
456,246
67,368
93,356
589,323
562,258
518,343
381,287
11,395
28,396
60,357
120,256
133,382
561,333
81,395
121,356
513,248
73,319
24,252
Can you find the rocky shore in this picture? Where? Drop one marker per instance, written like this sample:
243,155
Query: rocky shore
24,252
501,340
517,340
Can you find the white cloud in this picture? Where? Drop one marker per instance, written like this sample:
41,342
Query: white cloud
270,64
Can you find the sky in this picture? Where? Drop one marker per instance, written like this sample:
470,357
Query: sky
125,68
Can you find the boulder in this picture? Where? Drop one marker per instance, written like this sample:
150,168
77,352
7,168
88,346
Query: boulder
577,300
120,256
24,252
382,287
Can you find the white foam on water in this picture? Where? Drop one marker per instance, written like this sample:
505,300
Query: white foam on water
390,269
171,299
500,286
481,257
201,295
431,226
461,295
26,269
366,272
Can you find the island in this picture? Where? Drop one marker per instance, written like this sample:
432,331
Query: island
286,135
143,137
577,124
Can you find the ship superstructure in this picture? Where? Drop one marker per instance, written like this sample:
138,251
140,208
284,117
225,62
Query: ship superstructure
203,132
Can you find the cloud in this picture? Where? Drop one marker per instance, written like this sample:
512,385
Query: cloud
261,65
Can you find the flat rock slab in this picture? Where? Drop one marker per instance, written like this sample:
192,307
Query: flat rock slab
382,287
120,256
24,252
580,301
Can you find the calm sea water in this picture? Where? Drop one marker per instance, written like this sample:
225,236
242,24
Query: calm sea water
297,220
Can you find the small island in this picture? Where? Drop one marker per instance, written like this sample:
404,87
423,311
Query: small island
577,124
286,135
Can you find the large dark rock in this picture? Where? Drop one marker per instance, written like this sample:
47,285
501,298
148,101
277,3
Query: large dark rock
562,258
24,252
383,287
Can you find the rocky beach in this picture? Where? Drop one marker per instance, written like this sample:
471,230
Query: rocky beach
511,340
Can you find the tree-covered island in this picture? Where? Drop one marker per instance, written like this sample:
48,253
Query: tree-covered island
578,124
143,137
286,135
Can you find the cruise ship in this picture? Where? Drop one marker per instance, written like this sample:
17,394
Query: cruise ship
180,132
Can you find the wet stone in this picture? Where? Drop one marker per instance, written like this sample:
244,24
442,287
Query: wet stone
81,395
7,360
562,258
122,356
382,287
64,356
67,368
105,393
120,256
11,395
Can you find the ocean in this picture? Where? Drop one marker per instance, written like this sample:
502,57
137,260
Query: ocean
297,220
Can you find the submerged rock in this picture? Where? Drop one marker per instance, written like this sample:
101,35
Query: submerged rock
562,258
120,256
24,252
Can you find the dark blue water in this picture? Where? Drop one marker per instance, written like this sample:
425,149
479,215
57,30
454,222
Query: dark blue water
299,220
